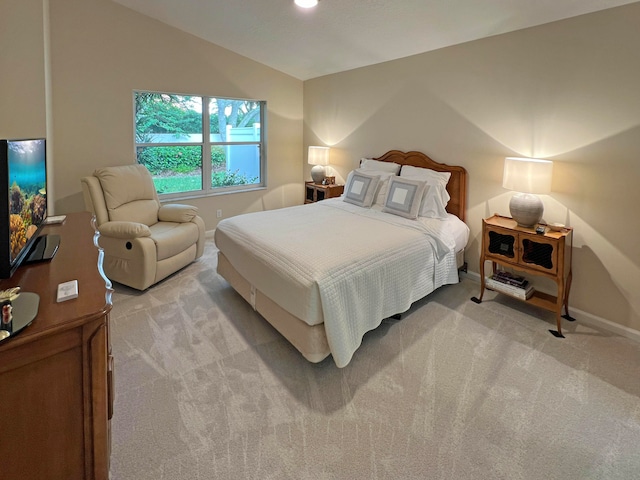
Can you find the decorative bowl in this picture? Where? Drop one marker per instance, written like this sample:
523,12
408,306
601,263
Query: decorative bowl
556,227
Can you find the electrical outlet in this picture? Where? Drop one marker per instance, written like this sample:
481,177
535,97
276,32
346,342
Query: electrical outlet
219,213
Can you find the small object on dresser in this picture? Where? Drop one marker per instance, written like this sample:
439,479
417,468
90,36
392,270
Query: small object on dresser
556,227
67,290
10,294
540,229
55,219
329,180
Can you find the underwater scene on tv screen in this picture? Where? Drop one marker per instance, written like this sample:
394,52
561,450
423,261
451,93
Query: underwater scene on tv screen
27,191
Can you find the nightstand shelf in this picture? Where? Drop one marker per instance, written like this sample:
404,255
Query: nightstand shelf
506,244
315,192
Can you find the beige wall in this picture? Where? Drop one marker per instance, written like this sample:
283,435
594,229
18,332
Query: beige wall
568,91
22,74
102,51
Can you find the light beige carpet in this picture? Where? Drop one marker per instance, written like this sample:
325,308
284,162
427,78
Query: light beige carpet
206,389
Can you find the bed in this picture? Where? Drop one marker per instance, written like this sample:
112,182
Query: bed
325,273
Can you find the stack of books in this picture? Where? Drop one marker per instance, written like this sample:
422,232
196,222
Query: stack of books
510,284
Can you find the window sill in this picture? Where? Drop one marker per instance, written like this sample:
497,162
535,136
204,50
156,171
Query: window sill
173,197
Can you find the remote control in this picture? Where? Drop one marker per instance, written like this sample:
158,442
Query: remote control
67,290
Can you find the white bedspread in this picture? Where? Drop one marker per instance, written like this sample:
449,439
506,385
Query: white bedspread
339,263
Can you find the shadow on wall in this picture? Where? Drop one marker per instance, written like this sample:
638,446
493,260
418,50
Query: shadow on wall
70,204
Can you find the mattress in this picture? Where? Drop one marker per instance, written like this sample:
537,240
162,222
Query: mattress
340,264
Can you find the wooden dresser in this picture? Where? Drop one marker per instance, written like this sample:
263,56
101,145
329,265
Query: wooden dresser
315,192
547,254
56,376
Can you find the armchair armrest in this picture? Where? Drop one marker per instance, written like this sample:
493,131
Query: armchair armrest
124,230
178,213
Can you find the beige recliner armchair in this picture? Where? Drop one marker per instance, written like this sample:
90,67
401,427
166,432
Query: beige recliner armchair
143,241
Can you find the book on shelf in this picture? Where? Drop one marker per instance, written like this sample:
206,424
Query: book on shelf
510,278
522,293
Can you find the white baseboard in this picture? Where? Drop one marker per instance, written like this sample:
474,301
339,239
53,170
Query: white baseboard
211,233
587,318
604,324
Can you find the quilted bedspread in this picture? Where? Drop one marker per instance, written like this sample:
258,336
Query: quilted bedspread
355,266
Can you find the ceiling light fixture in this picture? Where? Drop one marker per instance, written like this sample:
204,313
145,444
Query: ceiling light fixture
306,3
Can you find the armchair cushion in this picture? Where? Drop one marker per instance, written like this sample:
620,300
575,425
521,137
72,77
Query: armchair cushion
125,230
172,238
129,193
141,211
174,212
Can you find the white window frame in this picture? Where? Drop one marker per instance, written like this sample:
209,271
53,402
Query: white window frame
206,144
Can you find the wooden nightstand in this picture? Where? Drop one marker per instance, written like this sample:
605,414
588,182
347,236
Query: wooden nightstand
314,192
548,255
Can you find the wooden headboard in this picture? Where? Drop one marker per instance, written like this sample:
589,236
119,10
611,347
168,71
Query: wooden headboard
457,186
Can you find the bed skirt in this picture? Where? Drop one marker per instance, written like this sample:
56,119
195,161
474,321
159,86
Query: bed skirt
310,340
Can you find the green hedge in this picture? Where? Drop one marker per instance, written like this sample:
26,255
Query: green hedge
174,159
227,179
177,159
189,183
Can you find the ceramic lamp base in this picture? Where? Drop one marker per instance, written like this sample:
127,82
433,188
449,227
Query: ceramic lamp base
526,209
317,174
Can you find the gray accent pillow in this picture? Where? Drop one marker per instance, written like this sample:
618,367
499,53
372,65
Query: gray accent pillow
361,188
404,197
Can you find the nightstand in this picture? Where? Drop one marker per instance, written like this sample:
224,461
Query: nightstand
549,255
314,192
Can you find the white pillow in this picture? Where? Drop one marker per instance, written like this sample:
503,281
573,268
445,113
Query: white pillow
370,164
404,197
425,174
436,198
360,188
434,202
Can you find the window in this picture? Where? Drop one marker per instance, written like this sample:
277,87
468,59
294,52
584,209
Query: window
170,142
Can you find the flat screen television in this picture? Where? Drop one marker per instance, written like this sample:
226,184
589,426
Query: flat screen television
23,204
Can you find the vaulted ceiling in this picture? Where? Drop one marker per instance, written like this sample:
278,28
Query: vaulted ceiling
340,35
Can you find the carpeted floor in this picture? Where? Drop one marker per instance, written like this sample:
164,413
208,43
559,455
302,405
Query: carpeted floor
206,389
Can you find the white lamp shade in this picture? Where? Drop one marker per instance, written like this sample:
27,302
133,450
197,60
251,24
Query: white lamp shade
318,156
527,175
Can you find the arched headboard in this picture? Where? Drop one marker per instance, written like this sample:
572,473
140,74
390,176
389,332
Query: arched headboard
457,186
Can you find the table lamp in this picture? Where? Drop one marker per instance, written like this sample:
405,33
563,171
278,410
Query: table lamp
528,177
318,157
